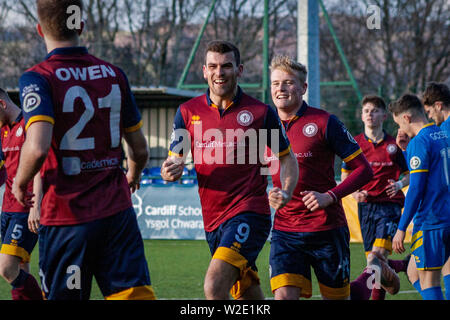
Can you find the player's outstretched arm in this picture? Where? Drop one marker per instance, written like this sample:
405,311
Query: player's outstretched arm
33,154
137,149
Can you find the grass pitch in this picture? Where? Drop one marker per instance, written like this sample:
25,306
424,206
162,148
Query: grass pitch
177,269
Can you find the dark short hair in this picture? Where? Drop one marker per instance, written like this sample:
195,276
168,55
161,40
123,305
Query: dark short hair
221,46
436,91
53,17
377,101
407,102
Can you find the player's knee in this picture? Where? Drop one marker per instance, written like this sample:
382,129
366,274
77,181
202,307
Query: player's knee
287,293
8,270
214,290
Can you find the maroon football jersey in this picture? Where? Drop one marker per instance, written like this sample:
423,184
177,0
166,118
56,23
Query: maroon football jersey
387,162
12,141
229,184
316,137
90,103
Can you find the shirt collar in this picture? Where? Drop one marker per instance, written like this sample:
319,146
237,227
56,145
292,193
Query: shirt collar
235,101
67,51
374,142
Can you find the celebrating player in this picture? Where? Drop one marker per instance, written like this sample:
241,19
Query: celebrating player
19,223
428,197
77,108
311,230
380,201
232,190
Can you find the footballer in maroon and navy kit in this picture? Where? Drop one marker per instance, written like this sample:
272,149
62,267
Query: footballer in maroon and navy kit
381,200
18,241
311,230
227,132
77,108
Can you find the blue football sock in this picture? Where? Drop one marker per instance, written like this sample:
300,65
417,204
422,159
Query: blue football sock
433,293
447,286
417,286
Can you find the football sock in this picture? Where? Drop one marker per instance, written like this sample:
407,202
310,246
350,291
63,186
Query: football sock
447,286
398,265
25,287
20,280
417,286
433,293
378,294
358,287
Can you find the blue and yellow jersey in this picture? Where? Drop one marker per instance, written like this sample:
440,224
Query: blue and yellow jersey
428,197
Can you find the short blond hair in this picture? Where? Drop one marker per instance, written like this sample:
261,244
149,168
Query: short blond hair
289,65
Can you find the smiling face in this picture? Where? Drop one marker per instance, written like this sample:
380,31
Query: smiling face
222,73
287,90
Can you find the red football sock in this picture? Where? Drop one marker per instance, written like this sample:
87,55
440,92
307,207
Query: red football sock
358,287
29,290
378,294
398,265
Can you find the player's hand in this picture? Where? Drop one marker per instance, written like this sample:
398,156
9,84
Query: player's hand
34,219
172,169
133,182
314,200
22,195
278,198
360,196
402,139
397,242
392,188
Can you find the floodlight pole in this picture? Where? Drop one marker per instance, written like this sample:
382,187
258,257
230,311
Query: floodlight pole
308,47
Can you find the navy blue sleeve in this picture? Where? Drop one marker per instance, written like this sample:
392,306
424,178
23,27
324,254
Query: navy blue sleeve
277,139
340,140
130,112
35,98
179,140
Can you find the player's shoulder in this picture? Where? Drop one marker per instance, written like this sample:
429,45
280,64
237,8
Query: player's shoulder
193,103
247,99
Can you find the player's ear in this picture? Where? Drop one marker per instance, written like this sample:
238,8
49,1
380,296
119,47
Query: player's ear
80,30
240,70
305,87
205,76
2,104
39,30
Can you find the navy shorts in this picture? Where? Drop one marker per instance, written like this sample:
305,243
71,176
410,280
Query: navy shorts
238,242
17,239
292,254
378,222
109,249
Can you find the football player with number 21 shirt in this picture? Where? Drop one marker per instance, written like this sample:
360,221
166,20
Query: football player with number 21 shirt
77,108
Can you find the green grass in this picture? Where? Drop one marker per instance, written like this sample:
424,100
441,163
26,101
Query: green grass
177,268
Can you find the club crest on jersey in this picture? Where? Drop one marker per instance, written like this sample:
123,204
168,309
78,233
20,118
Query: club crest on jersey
415,162
19,132
245,118
31,101
350,137
391,148
310,130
